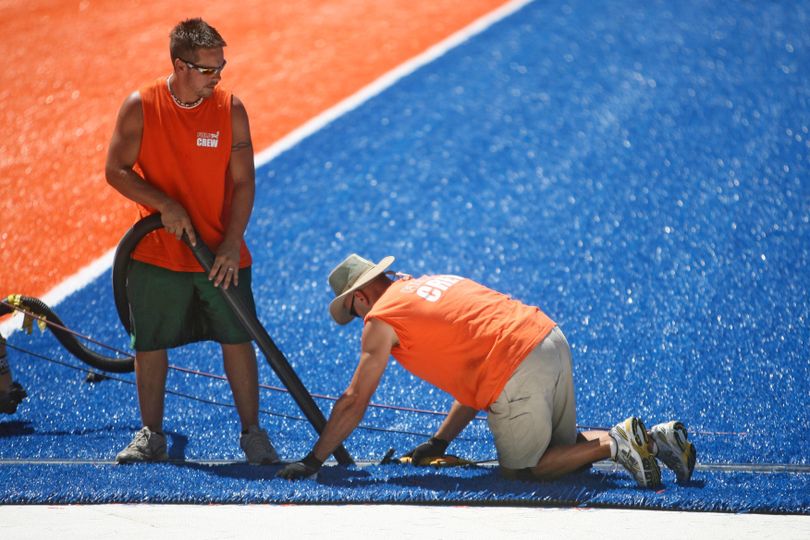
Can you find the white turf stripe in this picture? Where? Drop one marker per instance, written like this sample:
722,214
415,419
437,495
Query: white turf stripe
90,272
72,284
387,80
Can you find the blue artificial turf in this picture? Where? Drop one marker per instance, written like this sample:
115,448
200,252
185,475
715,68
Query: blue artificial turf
243,484
639,170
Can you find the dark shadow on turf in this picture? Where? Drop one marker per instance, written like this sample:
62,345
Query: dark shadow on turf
472,483
242,471
16,428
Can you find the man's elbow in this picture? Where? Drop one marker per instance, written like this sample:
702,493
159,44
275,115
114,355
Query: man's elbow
116,175
110,176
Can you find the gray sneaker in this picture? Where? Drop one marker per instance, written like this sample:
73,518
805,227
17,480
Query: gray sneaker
674,448
257,447
146,445
633,452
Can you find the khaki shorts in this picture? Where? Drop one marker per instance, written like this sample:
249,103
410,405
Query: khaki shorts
537,408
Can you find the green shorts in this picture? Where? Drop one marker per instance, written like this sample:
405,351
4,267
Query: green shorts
168,309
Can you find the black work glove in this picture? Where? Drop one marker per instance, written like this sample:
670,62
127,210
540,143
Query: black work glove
432,448
306,468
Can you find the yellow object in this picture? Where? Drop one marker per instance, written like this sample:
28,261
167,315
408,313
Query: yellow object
28,317
441,461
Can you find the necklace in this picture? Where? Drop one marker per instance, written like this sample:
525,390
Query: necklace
182,104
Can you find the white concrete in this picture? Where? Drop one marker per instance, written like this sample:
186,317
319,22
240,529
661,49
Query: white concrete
122,522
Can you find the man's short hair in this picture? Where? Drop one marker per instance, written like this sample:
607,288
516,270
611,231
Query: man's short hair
189,36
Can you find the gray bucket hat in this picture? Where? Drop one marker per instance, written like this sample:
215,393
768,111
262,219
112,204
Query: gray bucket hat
353,273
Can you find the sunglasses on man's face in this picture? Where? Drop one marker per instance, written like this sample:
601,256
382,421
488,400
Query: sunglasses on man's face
205,70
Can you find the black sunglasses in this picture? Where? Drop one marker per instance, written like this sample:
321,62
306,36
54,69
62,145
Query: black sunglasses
205,70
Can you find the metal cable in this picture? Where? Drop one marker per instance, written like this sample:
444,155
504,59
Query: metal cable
213,402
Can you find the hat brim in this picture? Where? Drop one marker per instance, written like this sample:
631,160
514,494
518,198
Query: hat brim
338,310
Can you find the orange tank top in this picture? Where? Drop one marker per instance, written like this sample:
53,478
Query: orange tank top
185,153
459,335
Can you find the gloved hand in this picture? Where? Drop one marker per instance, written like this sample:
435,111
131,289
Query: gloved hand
432,448
306,468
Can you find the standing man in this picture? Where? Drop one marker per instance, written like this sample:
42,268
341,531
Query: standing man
181,146
490,353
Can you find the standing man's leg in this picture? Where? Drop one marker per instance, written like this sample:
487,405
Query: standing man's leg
149,444
159,300
243,376
151,368
239,360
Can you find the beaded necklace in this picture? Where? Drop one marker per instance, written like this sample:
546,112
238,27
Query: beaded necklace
182,104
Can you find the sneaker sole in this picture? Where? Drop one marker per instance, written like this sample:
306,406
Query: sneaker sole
688,453
636,434
128,461
652,476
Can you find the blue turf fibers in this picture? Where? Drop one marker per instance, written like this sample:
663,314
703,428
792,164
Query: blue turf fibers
639,170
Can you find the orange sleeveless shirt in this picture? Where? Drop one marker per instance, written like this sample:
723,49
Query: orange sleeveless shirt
185,153
459,335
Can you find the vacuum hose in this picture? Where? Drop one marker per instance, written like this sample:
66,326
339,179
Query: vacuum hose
68,340
278,362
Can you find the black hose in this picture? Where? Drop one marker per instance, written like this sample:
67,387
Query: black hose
68,340
278,362
119,276
121,262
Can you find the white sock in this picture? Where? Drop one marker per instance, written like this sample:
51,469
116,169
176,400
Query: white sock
613,448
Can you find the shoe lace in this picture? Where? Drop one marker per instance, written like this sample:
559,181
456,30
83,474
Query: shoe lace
140,438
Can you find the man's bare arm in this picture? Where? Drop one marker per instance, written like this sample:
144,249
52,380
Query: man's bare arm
125,144
457,419
378,338
243,174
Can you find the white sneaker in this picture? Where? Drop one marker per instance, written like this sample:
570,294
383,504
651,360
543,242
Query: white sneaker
146,445
633,452
257,447
674,448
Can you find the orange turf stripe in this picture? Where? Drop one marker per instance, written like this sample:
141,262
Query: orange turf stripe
69,65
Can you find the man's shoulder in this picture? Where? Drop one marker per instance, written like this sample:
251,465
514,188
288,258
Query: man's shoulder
135,98
151,88
131,109
378,333
223,94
